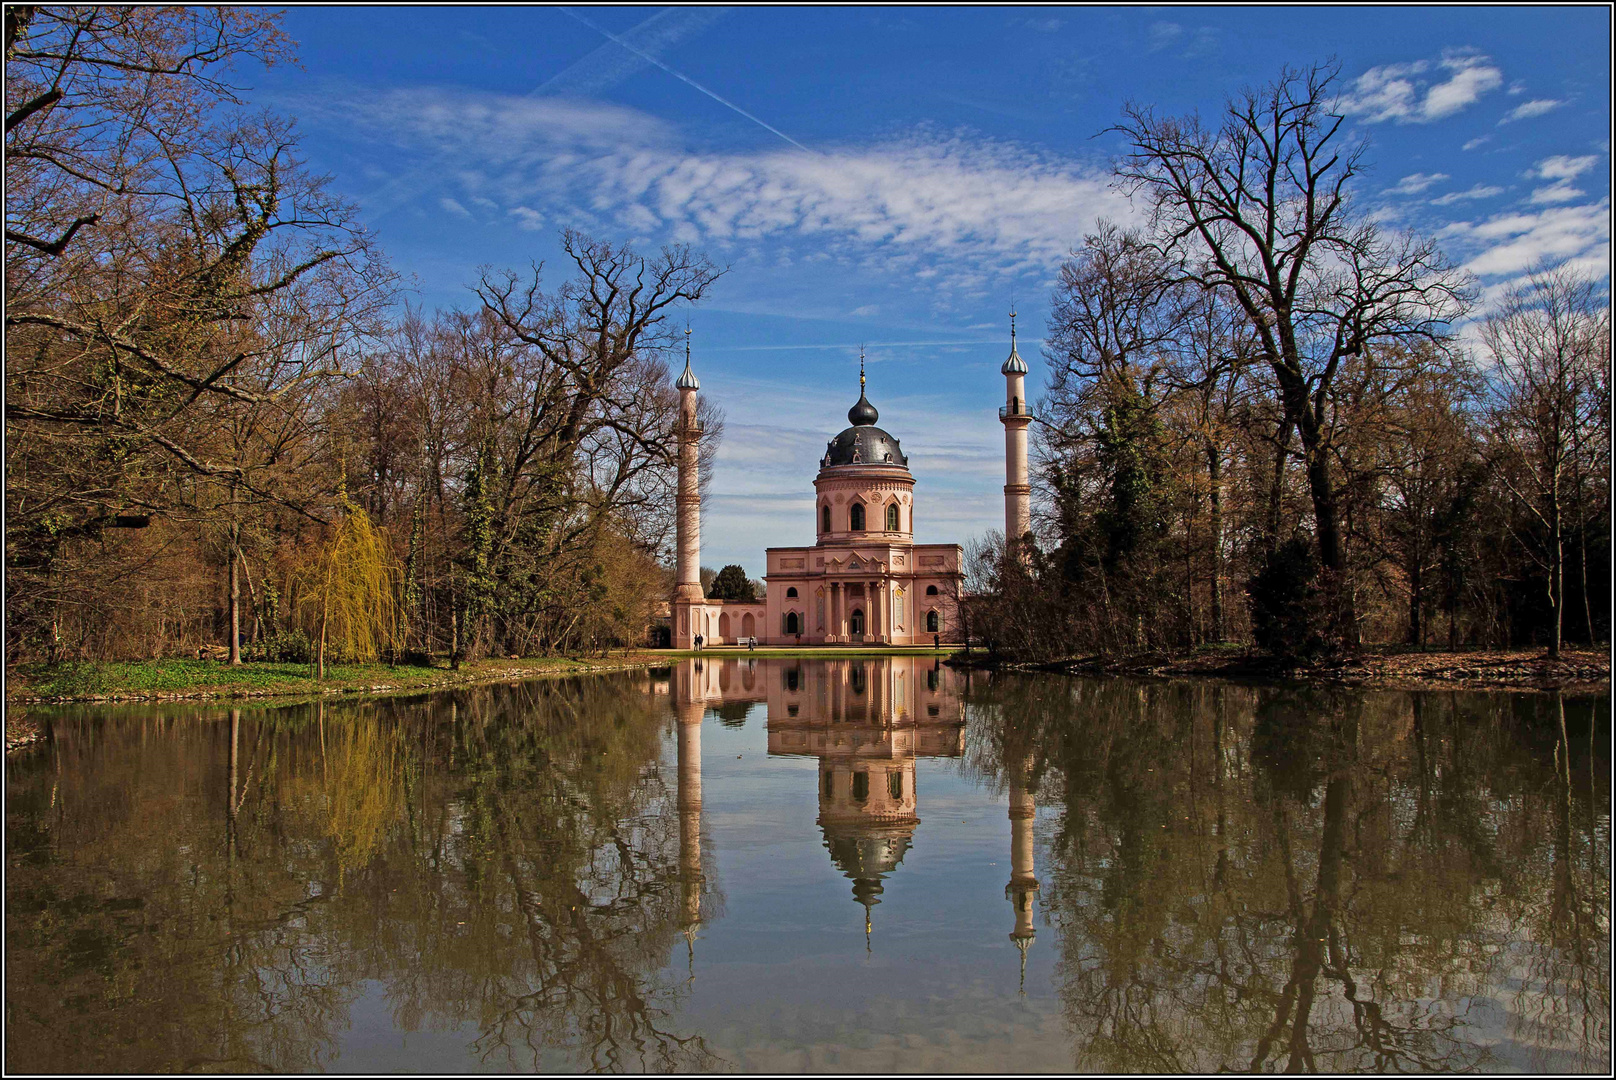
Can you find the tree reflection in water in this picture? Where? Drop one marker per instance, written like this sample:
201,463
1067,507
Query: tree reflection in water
1237,878
1271,880
506,858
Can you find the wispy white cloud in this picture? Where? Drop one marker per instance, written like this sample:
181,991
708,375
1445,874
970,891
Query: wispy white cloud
1415,183
1187,42
527,218
1480,191
1528,109
1473,143
1563,166
454,207
982,206
1511,243
1163,34
1420,92
1558,192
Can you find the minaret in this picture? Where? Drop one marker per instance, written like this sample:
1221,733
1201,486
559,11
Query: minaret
690,706
687,522
1023,885
1015,416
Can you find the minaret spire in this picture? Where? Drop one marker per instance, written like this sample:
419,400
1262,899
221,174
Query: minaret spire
861,371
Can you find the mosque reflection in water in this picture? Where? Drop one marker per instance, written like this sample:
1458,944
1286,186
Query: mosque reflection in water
1230,878
867,721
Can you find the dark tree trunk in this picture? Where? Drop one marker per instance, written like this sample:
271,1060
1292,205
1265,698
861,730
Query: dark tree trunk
1332,551
235,596
1214,472
1276,487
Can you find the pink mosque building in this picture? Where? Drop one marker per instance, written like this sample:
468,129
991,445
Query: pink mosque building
864,581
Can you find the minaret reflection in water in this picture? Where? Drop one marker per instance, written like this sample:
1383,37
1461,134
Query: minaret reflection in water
1022,889
689,707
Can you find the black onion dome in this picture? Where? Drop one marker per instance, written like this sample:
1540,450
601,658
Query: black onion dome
867,856
864,443
862,414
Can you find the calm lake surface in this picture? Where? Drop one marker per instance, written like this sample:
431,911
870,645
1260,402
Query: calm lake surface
871,865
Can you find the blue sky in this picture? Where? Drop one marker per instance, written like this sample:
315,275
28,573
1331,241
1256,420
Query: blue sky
895,176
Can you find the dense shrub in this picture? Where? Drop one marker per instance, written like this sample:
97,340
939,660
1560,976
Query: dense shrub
1288,616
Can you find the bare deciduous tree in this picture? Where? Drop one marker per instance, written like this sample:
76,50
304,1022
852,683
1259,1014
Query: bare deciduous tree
1260,208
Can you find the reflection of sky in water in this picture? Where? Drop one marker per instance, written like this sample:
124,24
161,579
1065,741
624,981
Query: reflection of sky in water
1446,890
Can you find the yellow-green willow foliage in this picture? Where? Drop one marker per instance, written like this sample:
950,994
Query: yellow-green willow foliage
347,598
363,778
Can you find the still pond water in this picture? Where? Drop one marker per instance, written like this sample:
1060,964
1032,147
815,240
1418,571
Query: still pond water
872,865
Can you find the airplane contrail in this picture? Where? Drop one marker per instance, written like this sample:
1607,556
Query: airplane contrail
586,75
607,65
685,79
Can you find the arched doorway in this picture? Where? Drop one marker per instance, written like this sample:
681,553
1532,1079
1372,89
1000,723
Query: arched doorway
793,624
856,622
748,625
932,622
723,625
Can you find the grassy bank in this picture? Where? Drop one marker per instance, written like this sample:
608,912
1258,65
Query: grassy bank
183,679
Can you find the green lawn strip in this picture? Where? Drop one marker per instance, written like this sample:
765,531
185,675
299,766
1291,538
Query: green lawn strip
80,680
199,678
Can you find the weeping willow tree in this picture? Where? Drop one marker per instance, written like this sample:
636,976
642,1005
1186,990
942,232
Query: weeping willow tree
347,598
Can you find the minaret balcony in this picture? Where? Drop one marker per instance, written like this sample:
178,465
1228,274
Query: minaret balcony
1018,409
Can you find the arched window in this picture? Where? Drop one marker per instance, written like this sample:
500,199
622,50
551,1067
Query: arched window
793,624
856,517
824,519
932,622
791,594
895,784
931,590
861,786
892,517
